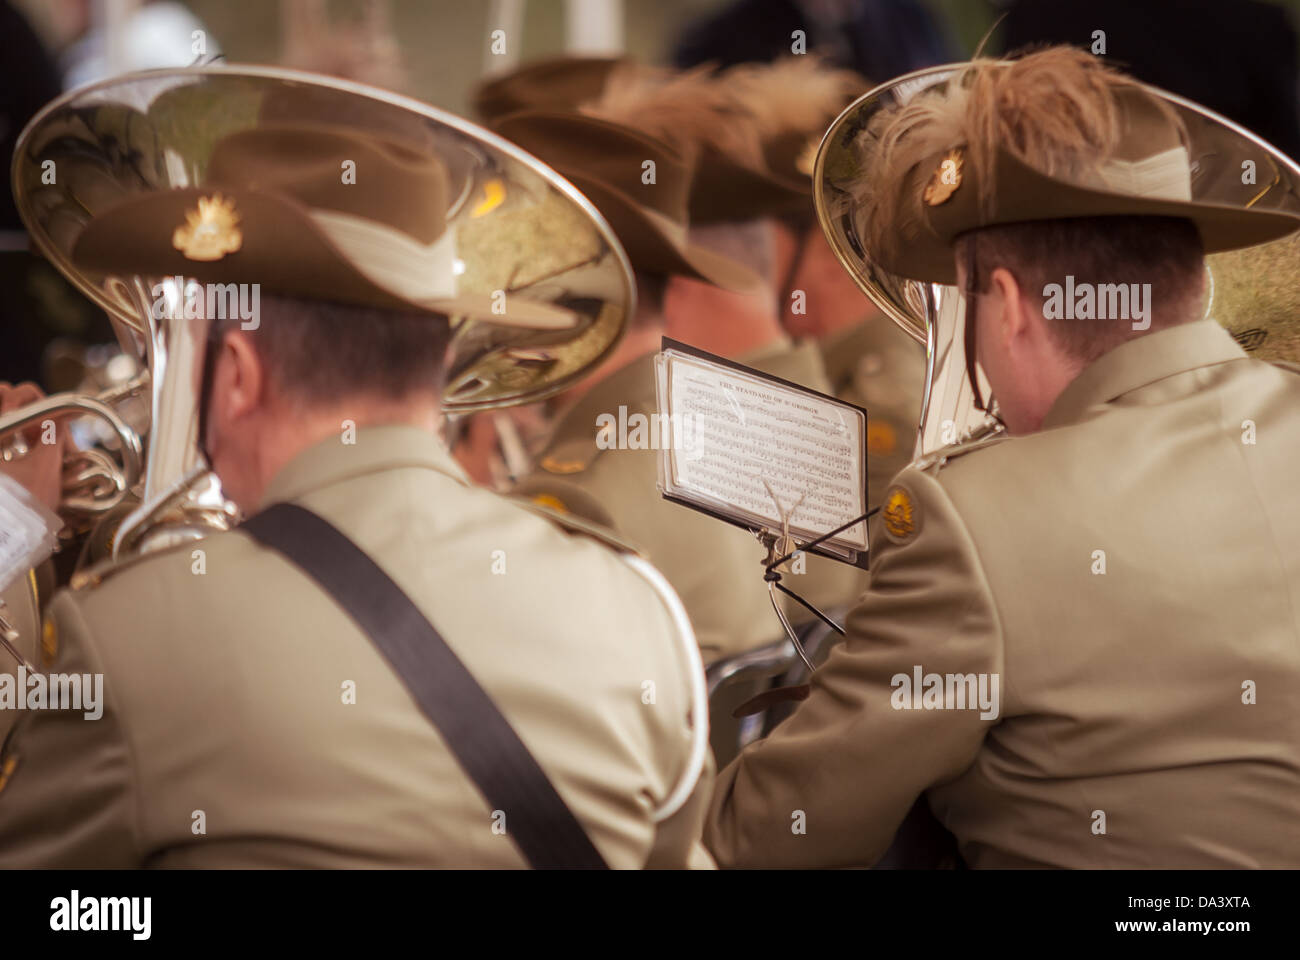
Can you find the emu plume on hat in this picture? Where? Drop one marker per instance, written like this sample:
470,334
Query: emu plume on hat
792,101
688,109
696,112
1054,135
701,114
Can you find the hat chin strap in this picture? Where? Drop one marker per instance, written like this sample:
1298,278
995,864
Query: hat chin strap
972,289
211,348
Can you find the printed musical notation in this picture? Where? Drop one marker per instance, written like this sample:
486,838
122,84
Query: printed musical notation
746,430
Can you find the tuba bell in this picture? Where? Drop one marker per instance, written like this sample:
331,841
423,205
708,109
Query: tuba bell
1252,304
518,228
1255,295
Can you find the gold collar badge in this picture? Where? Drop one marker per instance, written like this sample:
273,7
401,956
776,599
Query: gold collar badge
552,464
900,515
210,231
946,178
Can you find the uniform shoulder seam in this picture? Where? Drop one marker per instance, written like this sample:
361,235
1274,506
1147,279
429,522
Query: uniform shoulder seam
937,459
97,573
572,523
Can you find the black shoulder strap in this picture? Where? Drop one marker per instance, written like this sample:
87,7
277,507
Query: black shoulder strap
484,743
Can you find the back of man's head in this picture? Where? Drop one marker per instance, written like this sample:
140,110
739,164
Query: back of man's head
724,321
1097,281
309,370
319,353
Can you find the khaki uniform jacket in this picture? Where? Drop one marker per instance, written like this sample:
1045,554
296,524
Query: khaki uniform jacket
227,739
715,568
1149,714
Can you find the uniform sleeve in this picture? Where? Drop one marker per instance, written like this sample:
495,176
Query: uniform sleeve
69,797
677,840
832,783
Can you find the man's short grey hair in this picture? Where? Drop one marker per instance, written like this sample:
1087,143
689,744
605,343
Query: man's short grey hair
317,352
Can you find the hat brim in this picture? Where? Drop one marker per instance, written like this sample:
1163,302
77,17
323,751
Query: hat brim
1026,195
1229,213
650,245
724,190
282,249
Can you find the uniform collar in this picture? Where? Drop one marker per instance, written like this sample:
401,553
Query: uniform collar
572,445
1141,361
377,448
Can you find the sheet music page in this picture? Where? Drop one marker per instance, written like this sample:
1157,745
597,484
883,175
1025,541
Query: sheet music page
27,531
735,430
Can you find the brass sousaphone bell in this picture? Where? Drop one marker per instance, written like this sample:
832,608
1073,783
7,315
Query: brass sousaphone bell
1224,156
519,230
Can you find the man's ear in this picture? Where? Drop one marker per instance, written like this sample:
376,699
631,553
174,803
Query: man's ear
1013,314
239,378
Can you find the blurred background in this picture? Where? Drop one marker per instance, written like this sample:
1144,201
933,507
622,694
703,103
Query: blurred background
438,49
1236,56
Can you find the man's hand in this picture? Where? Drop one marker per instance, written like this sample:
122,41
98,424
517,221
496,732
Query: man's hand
40,469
